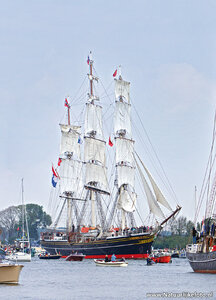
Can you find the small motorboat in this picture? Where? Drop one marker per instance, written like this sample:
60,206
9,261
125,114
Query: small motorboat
49,256
117,263
9,273
75,257
175,254
19,257
160,257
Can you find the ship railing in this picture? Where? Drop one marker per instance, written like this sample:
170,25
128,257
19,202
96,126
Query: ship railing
193,248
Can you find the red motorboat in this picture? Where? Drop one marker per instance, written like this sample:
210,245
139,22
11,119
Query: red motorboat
75,257
160,257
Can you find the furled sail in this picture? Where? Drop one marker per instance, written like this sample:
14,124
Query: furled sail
93,120
127,200
153,204
122,89
71,177
122,118
96,173
94,150
124,151
69,139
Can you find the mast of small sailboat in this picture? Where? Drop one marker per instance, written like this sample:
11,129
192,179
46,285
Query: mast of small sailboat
24,216
23,230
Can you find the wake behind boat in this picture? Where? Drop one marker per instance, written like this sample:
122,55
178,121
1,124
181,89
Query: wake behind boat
104,198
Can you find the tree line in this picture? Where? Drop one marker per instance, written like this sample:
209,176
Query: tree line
11,222
176,234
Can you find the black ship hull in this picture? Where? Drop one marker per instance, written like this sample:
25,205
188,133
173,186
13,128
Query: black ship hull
202,262
133,246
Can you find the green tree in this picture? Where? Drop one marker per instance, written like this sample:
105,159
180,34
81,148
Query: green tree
11,221
36,218
189,227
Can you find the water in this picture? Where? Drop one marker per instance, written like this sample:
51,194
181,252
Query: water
59,279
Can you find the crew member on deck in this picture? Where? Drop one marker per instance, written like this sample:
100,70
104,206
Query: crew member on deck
194,232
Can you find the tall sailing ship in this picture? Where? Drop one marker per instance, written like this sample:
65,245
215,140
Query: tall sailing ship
202,253
100,221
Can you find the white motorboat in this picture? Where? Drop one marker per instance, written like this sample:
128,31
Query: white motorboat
103,263
9,273
19,257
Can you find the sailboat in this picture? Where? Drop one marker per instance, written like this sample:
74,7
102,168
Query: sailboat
202,253
93,228
23,252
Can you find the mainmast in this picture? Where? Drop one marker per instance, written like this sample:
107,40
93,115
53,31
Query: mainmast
68,111
94,150
125,167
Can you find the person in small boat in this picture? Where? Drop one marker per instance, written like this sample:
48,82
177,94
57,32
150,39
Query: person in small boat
113,258
106,258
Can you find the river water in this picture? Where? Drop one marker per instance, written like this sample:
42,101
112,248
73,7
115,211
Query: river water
59,279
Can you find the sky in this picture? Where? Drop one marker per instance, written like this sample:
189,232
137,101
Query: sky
167,50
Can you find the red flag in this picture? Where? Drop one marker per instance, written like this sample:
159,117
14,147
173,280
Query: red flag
59,161
88,60
66,103
115,73
17,228
110,142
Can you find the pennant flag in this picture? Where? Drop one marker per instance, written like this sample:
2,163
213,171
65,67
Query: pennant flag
79,140
54,181
110,142
88,60
54,172
66,103
59,161
115,73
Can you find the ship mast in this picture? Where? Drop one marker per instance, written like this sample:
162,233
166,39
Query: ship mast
125,167
69,201
70,169
92,193
94,148
68,112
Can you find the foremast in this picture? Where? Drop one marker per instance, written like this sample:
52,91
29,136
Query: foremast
70,170
125,166
94,148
